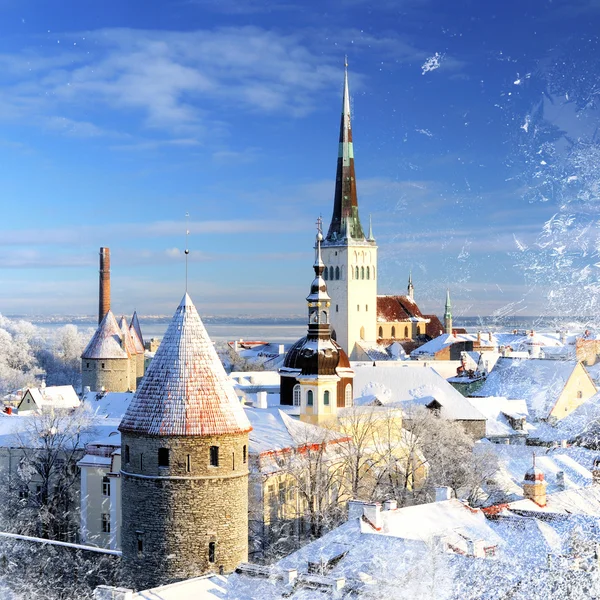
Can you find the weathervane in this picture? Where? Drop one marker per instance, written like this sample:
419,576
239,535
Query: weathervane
187,251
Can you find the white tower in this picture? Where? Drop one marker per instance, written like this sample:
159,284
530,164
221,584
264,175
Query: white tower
350,258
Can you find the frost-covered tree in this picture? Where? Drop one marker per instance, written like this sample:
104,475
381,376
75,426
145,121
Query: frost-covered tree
40,495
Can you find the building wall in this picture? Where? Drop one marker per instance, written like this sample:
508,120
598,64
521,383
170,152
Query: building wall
402,330
176,514
578,389
93,505
112,373
140,364
476,429
353,301
319,412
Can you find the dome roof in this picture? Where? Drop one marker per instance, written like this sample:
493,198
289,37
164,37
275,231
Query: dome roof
316,357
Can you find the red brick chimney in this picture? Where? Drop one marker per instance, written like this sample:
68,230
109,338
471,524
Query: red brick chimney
104,299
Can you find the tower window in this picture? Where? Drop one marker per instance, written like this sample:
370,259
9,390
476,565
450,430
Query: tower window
103,365
212,552
337,308
368,273
326,274
309,398
233,461
357,273
163,457
580,394
362,272
326,398
366,308
406,332
337,272
214,456
140,542
331,273
362,333
142,461
105,523
357,307
324,316
188,465
393,333
127,454
297,395
87,365
244,454
381,332
106,486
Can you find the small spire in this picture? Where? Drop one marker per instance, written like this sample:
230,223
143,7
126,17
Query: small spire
187,251
370,238
448,303
318,260
411,289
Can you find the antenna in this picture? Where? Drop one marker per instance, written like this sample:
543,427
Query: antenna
187,251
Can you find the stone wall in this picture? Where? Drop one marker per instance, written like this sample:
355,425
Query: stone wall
175,513
112,373
476,429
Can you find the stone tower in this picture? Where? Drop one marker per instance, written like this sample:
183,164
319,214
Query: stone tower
184,463
349,257
105,362
448,314
316,375
534,485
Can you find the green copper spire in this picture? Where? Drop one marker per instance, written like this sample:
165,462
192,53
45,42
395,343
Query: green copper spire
345,202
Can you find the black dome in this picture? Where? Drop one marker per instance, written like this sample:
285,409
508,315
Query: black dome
316,356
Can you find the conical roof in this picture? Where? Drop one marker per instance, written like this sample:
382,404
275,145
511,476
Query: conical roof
128,342
135,323
185,390
106,342
139,346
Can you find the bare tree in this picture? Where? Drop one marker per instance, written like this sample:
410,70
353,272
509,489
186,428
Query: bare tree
41,496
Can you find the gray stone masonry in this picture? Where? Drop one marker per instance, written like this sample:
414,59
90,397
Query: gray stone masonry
114,375
175,514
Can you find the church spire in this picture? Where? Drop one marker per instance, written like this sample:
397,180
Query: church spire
345,204
448,314
318,300
411,289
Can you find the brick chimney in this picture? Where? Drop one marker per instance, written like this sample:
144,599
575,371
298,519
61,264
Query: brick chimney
104,297
534,485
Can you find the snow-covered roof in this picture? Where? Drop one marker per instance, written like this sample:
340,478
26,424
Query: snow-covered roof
135,324
112,405
185,390
137,342
207,587
576,501
106,341
56,396
515,460
273,429
128,342
497,411
538,381
433,346
402,385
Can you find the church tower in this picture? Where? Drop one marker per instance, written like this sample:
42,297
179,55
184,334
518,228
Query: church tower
349,257
448,314
316,374
184,473
410,291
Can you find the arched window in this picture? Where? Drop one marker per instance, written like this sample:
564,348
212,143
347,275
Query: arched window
381,332
406,332
348,395
362,272
393,333
331,273
341,272
357,273
326,274
297,394
326,397
337,272
323,316
368,273
309,398
362,333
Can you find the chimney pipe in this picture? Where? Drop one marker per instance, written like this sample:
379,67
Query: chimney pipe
104,298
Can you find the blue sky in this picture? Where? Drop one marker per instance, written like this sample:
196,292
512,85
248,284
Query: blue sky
117,118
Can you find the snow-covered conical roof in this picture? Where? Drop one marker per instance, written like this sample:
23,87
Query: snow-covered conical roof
128,342
185,390
106,342
139,346
135,323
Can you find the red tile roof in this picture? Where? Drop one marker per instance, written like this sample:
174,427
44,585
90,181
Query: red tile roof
185,390
396,308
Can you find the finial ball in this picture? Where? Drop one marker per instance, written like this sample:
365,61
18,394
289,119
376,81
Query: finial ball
187,251
319,237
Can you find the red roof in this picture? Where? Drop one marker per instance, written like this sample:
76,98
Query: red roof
396,308
185,390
